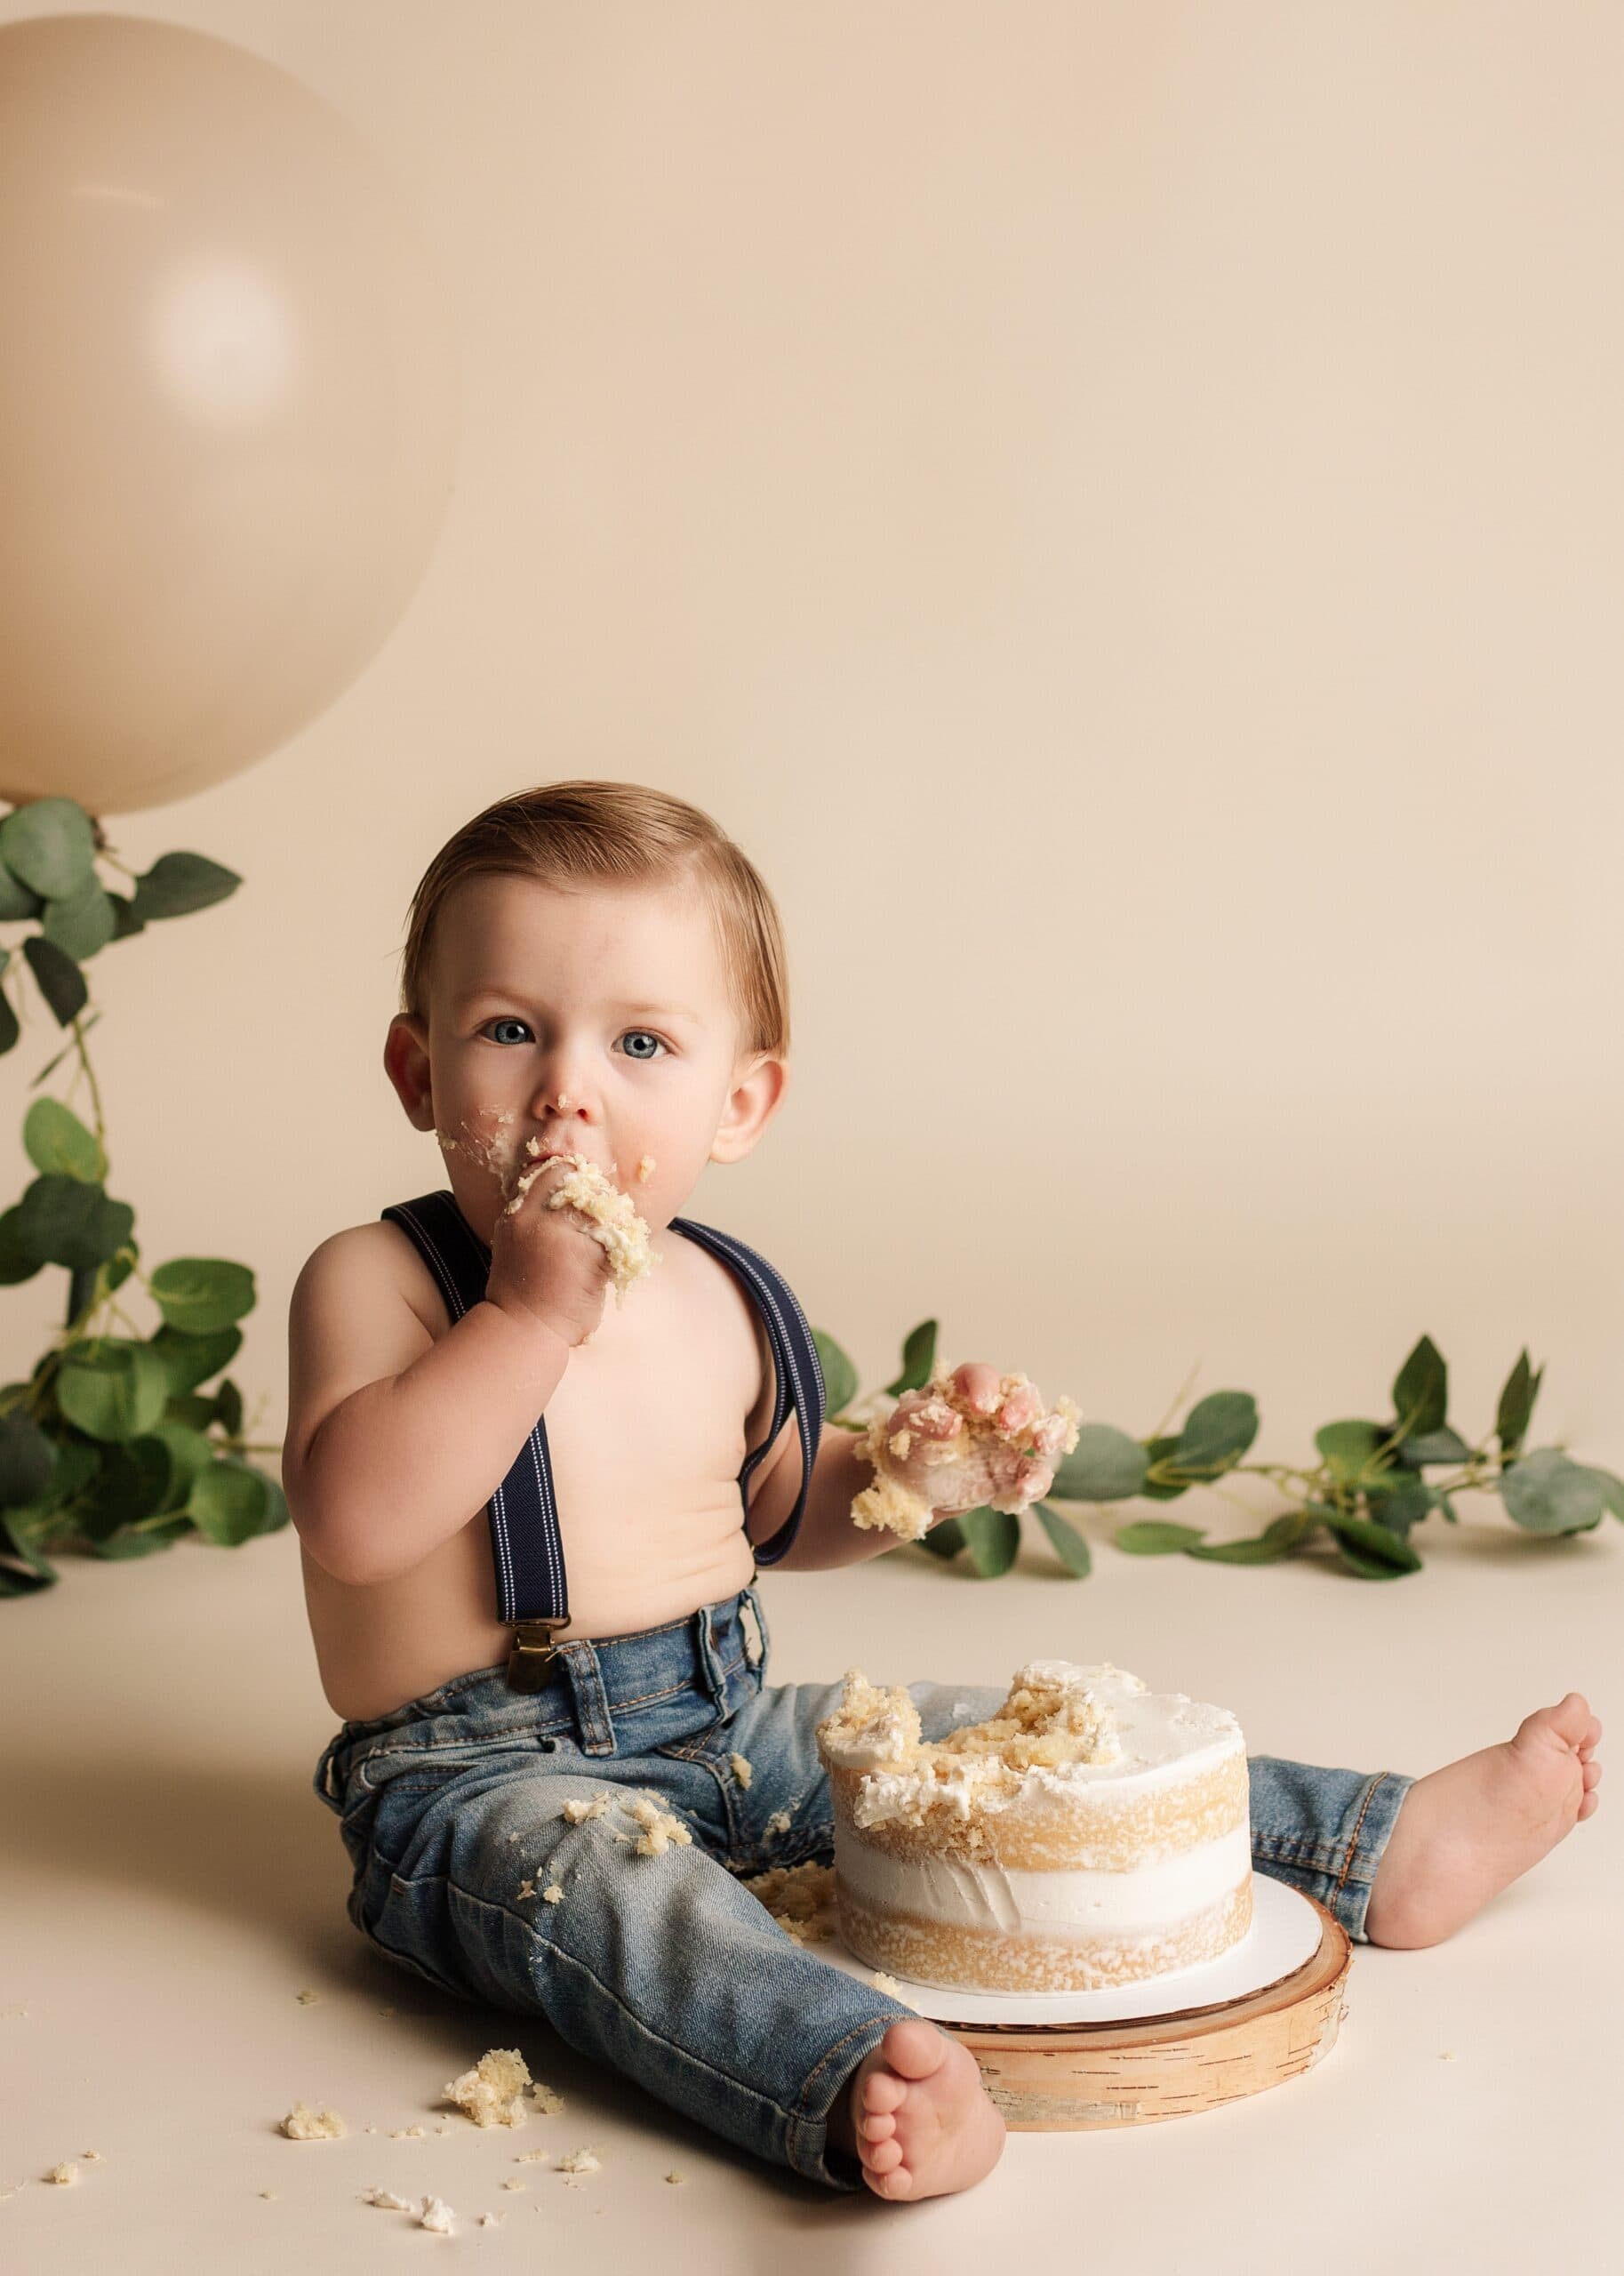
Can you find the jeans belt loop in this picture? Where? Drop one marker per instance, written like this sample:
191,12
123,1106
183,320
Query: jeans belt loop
585,1671
710,1660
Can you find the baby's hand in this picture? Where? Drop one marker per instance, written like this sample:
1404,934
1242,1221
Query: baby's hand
964,1441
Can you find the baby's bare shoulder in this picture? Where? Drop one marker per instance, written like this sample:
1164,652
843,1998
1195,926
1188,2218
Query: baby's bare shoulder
353,1317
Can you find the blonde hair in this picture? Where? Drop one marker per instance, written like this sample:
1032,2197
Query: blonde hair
576,833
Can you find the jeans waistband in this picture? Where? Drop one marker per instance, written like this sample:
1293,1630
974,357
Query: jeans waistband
588,1677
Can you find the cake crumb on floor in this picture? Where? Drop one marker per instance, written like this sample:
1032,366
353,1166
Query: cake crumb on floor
490,2092
889,1985
304,2125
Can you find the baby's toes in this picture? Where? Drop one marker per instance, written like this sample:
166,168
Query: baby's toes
878,2125
882,2092
882,2157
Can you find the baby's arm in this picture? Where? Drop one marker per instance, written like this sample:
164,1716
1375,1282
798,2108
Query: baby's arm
394,1440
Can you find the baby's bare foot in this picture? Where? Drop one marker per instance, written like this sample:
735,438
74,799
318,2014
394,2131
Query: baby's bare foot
918,2117
1464,1831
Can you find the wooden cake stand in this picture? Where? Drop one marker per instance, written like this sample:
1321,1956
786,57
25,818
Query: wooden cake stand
1046,2078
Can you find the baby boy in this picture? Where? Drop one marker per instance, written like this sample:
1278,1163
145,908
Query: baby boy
531,1521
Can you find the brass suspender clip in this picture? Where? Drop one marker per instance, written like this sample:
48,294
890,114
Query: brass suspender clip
529,1664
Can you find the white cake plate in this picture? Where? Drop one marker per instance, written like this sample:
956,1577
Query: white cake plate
1284,1937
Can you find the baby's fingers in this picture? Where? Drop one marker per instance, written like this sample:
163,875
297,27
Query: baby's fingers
976,1384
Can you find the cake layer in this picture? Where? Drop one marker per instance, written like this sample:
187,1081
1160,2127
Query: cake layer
1145,1900
1051,1823
990,1960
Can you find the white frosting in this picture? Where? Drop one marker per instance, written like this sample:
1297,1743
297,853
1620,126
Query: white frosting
1144,1900
1137,1740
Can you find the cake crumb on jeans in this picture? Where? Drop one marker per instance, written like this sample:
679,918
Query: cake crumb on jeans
578,1812
743,1770
660,1829
551,1894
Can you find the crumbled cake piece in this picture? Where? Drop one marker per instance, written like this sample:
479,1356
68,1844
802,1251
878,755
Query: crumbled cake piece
891,1988
611,1215
800,1898
547,2101
742,1769
437,2214
308,1998
646,1168
490,2220
578,1812
406,2133
660,1829
525,1889
490,2093
1049,1718
580,2161
389,2200
778,1823
91,2156
64,2175
889,1503
515,2185
551,1894
302,2125
675,2176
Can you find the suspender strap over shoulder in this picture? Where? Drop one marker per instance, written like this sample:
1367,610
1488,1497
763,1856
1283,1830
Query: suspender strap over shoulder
795,1355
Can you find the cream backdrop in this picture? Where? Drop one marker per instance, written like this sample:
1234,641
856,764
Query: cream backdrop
1120,509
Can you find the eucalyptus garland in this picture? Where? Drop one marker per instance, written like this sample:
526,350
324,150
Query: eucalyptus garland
113,1447
1364,1499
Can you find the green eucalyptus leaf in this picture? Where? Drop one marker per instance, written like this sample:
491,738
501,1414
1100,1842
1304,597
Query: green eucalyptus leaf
1217,1432
177,884
1370,1550
50,844
1612,1490
839,1376
62,1220
190,1410
27,1459
1350,1447
1545,1492
1261,1549
1155,1537
17,900
80,923
1420,1390
1400,1504
192,1359
1105,1466
57,977
1067,1542
143,1537
228,1503
1437,1447
1517,1405
918,1359
22,1569
129,1483
19,1260
1162,1489
201,1294
125,920
229,1408
10,1031
945,1538
112,1388
992,1537
57,1142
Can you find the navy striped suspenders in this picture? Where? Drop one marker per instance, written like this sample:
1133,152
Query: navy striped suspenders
532,1596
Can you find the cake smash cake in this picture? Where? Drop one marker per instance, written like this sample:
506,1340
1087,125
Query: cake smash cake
1091,1832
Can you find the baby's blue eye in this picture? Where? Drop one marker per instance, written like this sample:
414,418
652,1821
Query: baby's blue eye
646,1036
506,1022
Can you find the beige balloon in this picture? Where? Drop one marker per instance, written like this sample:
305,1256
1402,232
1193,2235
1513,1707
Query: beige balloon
229,409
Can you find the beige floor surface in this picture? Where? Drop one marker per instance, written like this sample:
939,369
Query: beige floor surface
169,1885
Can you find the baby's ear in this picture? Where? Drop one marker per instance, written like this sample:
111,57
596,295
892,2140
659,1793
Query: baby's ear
756,1093
405,1062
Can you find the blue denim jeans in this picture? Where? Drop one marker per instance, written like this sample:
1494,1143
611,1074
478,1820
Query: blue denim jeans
663,1966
